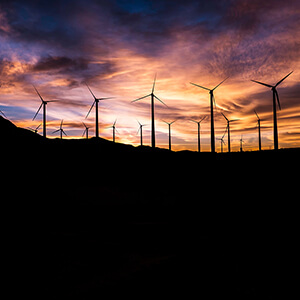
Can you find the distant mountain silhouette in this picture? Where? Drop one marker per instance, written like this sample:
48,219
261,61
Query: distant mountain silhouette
90,217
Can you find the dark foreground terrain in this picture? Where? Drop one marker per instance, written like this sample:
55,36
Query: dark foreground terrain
89,219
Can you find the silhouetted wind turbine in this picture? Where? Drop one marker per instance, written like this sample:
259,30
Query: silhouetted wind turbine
228,129
60,129
141,130
152,111
241,144
198,123
169,125
212,99
259,136
96,100
275,96
1,112
222,141
43,104
36,129
86,131
114,129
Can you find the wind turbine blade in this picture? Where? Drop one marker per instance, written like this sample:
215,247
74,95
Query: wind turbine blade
225,117
38,93
38,127
283,78
61,123
268,85
84,132
153,84
90,90
202,119
277,96
214,100
225,132
64,132
234,120
56,130
3,114
90,109
115,122
256,114
105,98
220,83
37,111
141,98
160,101
200,86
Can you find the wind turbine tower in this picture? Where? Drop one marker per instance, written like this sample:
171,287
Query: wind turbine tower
86,131
169,125
275,97
259,135
198,123
241,144
212,100
60,130
222,141
114,130
228,129
141,130
43,104
96,101
152,111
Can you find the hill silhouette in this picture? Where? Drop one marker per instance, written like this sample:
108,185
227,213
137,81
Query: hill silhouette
88,218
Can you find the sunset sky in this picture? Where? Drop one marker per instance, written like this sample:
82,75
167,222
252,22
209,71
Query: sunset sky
118,46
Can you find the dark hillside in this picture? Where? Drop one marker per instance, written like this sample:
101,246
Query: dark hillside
89,218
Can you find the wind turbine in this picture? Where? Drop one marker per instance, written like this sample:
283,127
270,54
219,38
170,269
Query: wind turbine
152,111
43,104
228,129
259,136
86,131
169,125
212,99
275,96
198,123
2,113
60,129
96,100
222,141
241,144
114,129
141,130
36,129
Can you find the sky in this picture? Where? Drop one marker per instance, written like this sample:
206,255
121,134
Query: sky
118,46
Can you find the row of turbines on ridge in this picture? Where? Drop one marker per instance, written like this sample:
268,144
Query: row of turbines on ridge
152,99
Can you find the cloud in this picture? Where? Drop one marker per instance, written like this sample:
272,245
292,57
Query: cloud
50,63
